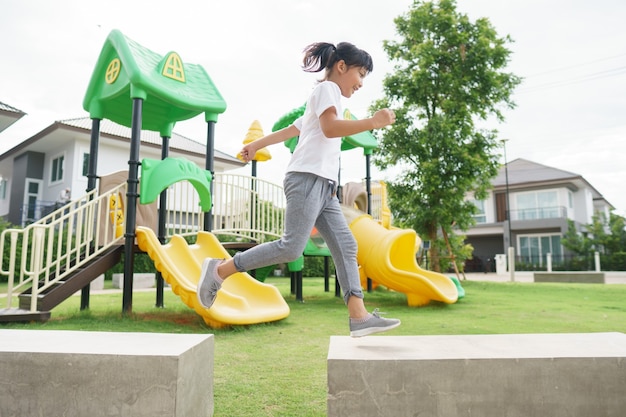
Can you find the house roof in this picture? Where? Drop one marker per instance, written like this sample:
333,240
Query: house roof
113,130
522,173
170,90
9,115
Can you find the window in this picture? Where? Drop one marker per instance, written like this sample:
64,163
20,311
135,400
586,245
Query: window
480,215
537,205
57,169
32,195
3,189
85,164
535,248
174,68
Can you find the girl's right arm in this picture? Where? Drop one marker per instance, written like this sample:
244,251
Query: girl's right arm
248,151
334,127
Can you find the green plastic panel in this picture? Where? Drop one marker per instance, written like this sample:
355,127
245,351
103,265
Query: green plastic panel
157,175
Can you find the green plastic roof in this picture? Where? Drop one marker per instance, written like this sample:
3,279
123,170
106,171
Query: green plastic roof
365,140
171,90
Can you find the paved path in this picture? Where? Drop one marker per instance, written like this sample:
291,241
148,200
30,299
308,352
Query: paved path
610,277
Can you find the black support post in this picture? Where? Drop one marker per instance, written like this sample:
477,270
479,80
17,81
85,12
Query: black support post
162,232
131,206
368,188
91,185
209,166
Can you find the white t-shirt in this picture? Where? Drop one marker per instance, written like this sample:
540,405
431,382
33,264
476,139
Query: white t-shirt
315,153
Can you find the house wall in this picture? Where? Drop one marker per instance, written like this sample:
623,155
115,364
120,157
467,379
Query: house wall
113,156
53,189
26,165
583,206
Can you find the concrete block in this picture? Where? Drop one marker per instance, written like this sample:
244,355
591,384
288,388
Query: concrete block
97,284
140,280
586,277
526,375
78,374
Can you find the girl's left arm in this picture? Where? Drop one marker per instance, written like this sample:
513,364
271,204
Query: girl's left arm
248,151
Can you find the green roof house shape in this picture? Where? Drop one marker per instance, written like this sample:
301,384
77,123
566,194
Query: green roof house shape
140,89
171,90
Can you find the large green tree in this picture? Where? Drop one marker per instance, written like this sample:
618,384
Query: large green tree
448,76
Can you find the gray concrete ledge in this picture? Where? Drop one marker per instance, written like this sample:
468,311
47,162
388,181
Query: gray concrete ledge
78,374
140,280
531,375
585,277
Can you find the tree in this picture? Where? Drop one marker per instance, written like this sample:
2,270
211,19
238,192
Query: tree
614,236
448,75
580,244
607,236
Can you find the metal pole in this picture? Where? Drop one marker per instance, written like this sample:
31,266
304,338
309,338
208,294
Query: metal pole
511,249
209,166
131,206
162,232
368,188
91,185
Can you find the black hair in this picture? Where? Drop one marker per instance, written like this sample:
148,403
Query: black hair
323,55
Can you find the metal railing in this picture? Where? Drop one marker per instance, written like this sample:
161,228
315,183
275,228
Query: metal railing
248,207
45,252
539,213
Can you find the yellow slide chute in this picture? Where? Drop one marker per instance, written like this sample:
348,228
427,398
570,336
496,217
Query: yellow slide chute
243,300
387,256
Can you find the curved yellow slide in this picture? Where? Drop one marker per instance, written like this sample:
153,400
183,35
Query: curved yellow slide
242,300
388,258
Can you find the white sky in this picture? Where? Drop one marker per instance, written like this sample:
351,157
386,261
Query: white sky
571,111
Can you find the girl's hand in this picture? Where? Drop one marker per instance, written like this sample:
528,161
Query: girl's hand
382,118
248,152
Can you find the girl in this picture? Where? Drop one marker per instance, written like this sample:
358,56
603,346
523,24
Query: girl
310,184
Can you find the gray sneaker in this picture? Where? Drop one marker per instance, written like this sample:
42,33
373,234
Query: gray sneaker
207,285
374,324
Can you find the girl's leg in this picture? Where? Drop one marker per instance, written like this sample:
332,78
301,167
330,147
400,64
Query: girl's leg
334,229
302,192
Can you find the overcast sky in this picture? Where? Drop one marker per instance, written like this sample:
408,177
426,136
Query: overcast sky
571,107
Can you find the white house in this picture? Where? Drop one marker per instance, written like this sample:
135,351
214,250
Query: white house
541,200
35,172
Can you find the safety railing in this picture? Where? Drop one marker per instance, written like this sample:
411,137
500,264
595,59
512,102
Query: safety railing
45,252
248,207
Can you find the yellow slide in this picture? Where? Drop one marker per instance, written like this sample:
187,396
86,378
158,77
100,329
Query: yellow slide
242,300
388,258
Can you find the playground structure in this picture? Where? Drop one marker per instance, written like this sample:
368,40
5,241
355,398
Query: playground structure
63,252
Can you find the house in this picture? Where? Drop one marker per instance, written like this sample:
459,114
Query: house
541,200
9,115
37,171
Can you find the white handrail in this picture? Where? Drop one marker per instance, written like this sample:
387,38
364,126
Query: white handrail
58,244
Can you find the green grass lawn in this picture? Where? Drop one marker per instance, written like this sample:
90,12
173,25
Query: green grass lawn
279,369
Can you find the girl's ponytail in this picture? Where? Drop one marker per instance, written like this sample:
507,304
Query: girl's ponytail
323,55
319,56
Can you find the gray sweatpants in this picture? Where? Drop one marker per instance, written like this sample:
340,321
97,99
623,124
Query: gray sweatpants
311,201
